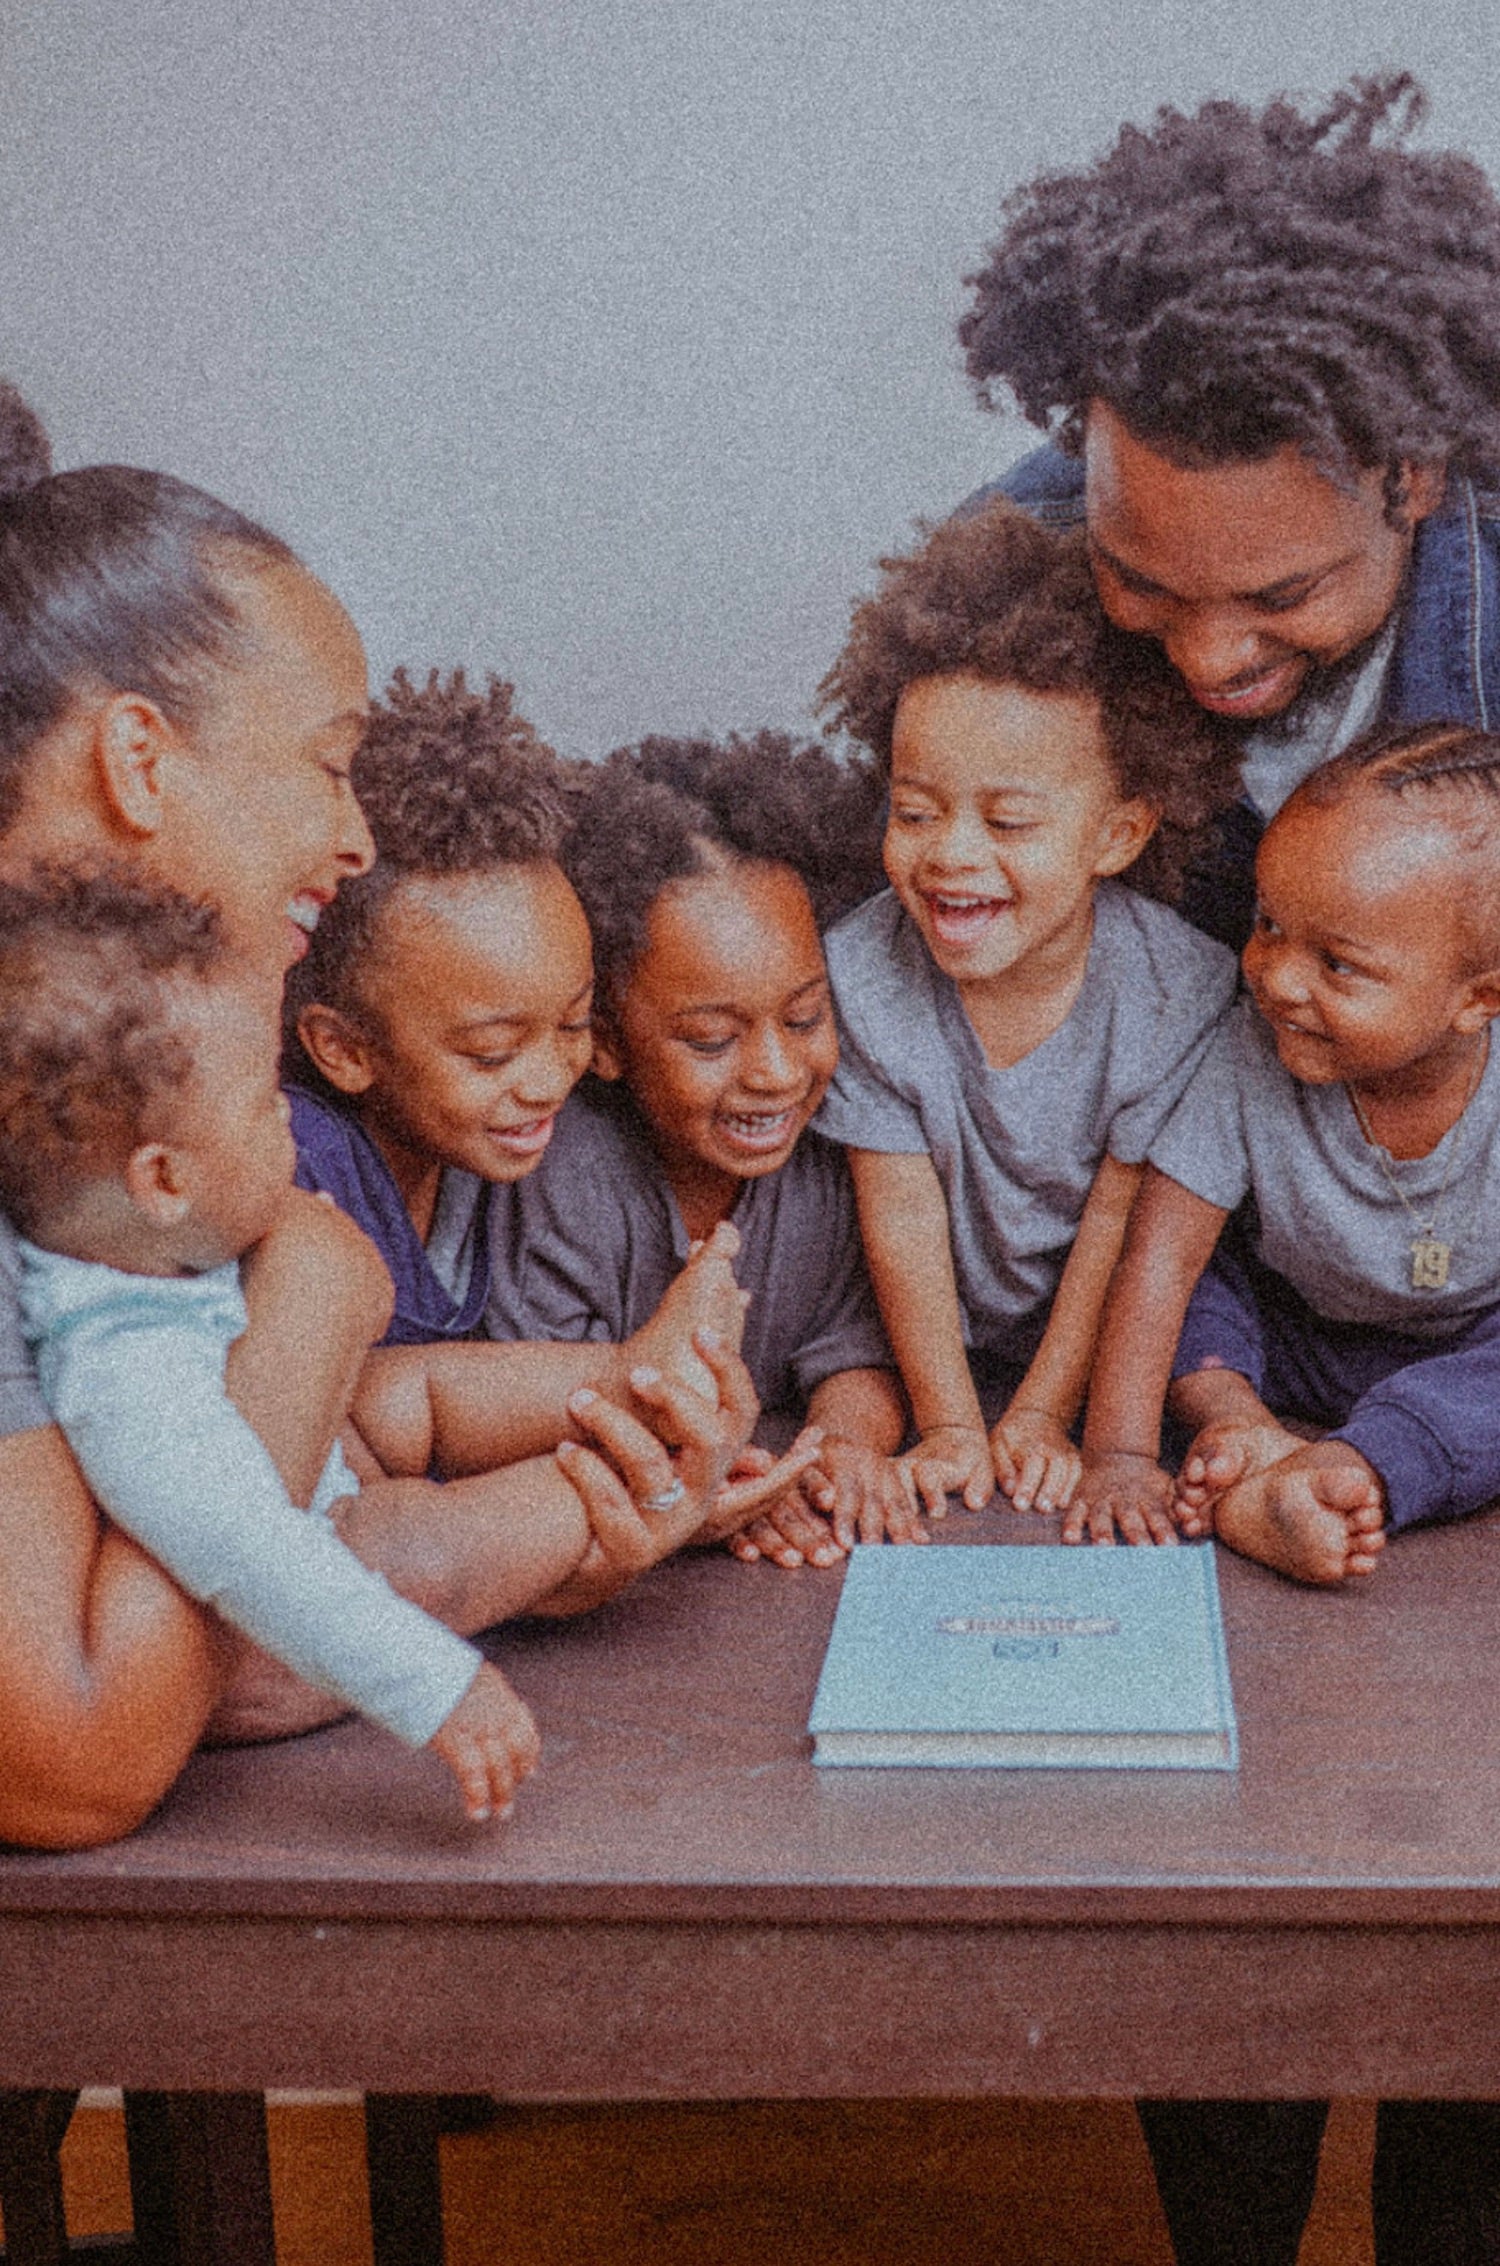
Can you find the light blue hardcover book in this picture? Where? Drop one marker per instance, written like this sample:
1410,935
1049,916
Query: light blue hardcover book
1034,1658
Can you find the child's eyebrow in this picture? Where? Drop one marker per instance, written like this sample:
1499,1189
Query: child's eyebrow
1017,787
737,1006
519,1022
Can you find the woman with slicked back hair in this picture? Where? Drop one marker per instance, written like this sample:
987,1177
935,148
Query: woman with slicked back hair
181,697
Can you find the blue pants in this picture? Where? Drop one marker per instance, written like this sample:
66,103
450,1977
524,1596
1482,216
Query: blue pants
1425,1414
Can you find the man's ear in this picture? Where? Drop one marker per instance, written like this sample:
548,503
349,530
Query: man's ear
131,742
1423,487
1128,829
336,1047
155,1184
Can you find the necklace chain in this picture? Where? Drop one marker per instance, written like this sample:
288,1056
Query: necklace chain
1429,1255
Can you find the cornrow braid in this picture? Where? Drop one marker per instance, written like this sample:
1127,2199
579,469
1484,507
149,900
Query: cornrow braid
1232,282
1448,773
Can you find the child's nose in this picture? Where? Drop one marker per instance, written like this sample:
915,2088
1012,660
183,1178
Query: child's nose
768,1061
550,1073
962,839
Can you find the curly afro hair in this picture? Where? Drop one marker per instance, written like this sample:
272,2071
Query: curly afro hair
90,1047
1233,282
451,781
1448,774
673,808
995,594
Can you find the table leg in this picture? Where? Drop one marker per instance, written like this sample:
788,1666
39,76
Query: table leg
200,2179
32,2126
406,2182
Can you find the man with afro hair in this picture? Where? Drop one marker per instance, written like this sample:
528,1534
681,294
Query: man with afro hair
1266,349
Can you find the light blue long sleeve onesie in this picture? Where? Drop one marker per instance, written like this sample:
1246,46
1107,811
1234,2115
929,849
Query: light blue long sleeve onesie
132,1367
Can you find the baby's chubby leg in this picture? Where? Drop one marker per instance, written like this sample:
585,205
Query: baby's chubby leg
1234,1436
1317,1514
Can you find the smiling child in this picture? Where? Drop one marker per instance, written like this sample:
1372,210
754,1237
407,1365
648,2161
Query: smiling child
1016,1025
1355,1095
706,871
433,1032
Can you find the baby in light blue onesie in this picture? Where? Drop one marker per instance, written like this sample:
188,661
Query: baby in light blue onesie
144,1147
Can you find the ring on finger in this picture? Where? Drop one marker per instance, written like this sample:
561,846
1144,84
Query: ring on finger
667,1500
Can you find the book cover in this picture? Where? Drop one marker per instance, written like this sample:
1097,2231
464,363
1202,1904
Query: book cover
1036,1658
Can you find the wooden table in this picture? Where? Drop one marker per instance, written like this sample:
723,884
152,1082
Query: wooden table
682,1908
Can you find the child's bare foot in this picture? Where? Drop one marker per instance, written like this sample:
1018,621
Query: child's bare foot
1221,1455
705,1296
1317,1515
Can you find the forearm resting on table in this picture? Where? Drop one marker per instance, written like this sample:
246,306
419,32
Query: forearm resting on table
470,1407
107,1672
1058,1377
1168,1243
903,1217
863,1405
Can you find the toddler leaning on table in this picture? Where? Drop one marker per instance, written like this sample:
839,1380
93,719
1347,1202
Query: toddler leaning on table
1354,1097
144,1148
1015,1023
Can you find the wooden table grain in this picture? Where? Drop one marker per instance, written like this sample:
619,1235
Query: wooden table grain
682,1907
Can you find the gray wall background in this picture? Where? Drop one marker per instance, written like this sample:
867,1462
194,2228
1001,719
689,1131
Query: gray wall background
604,344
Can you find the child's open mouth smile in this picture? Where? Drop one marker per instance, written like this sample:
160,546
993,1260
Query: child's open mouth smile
759,1133
526,1140
962,918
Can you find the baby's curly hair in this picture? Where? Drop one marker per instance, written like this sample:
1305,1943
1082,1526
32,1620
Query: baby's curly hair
1234,281
90,1046
669,809
451,781
1448,773
996,594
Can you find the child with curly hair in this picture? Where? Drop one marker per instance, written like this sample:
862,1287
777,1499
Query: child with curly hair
1016,1023
433,1031
707,871
1264,345
144,1149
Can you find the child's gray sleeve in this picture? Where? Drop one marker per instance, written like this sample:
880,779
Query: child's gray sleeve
1202,1145
173,1462
862,1108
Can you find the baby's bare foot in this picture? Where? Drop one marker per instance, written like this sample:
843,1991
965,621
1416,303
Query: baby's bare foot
1220,1457
1317,1515
705,1296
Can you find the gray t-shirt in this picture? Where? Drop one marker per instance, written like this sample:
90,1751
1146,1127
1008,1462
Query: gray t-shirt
22,1407
1326,1216
1017,1150
1281,752
585,1246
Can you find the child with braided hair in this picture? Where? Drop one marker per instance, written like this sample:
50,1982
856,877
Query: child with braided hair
1355,1097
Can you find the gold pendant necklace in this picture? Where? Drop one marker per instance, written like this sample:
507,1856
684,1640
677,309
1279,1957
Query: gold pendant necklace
1429,1254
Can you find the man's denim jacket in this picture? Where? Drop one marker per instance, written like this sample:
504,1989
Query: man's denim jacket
1446,666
